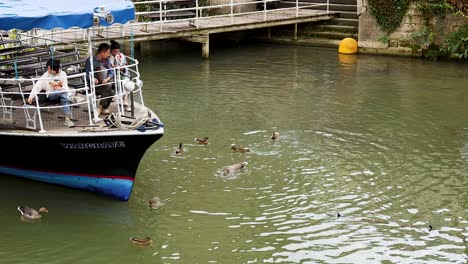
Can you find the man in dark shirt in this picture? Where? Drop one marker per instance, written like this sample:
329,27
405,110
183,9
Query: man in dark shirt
103,77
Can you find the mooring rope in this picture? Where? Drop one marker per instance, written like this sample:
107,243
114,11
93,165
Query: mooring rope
115,120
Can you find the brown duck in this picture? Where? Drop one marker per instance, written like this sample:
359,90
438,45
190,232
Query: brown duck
29,213
234,168
239,149
141,241
275,135
154,202
203,141
180,149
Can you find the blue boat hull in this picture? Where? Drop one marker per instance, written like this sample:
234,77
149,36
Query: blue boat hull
104,164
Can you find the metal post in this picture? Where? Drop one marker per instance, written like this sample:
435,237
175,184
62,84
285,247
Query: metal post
328,6
91,76
160,16
264,10
196,13
297,8
206,47
232,12
295,31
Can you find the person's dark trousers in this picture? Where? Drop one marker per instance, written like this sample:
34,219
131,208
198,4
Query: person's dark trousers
105,91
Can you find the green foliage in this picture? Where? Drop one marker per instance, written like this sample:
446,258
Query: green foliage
456,43
384,39
459,6
389,13
432,52
421,39
141,8
433,8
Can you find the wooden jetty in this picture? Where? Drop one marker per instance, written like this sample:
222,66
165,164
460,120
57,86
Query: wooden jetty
194,29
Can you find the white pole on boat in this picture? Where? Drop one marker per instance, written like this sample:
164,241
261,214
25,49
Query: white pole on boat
160,15
91,76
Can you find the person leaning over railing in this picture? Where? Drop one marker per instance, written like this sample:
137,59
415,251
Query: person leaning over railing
103,76
54,82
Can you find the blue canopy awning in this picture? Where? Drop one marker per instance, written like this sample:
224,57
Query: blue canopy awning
30,14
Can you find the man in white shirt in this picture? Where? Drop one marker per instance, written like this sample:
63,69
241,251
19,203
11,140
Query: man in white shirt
54,82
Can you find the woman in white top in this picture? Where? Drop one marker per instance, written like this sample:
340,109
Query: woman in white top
54,82
118,59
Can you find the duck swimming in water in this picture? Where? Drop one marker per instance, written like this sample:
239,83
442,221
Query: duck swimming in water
180,149
234,168
154,202
29,213
275,135
141,241
239,149
203,141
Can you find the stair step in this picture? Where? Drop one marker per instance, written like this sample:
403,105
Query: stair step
332,35
332,28
345,22
351,15
321,42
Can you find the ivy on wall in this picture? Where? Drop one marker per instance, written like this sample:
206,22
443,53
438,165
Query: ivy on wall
389,13
433,8
432,39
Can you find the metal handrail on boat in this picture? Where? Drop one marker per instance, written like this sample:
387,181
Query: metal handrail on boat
41,116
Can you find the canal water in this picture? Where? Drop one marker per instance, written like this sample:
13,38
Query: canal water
380,141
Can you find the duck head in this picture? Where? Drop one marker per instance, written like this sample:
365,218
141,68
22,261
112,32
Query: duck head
275,135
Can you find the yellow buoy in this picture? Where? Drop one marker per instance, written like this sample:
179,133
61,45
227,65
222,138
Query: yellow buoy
348,46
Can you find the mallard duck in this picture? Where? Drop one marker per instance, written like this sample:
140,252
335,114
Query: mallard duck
153,203
31,213
234,168
239,149
180,149
140,241
203,141
275,135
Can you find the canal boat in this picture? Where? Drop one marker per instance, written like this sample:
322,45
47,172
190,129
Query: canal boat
96,152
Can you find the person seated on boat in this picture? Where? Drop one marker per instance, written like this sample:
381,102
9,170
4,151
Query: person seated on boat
54,82
103,76
118,59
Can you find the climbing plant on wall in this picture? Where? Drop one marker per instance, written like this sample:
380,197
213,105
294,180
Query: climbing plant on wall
389,13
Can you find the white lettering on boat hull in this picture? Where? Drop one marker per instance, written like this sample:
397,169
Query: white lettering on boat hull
101,145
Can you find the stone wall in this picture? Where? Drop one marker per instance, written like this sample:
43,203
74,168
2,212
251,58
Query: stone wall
373,40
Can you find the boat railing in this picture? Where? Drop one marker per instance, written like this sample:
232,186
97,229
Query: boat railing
125,82
43,115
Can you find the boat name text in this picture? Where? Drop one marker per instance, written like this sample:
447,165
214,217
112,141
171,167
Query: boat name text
102,145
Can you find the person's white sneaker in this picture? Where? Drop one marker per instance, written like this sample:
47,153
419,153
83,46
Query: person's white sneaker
72,99
69,123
